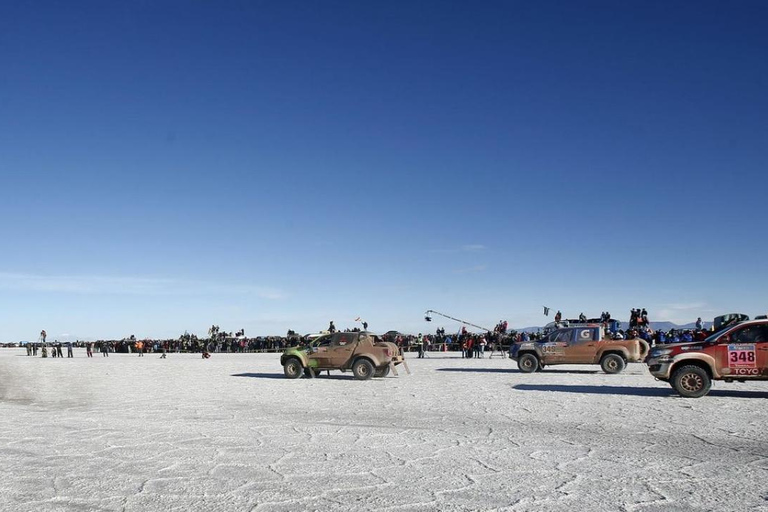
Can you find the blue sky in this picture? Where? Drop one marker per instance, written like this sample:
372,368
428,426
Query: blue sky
274,165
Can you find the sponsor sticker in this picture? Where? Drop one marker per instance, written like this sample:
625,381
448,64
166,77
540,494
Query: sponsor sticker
742,355
746,371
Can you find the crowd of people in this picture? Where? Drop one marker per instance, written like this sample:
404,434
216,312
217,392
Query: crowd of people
470,345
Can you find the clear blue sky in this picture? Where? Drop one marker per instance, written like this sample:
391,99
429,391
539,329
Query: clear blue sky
274,165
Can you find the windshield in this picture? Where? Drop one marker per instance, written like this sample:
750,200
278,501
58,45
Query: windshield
561,335
712,337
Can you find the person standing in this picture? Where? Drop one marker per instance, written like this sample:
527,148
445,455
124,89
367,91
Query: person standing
69,349
140,348
699,324
58,350
89,349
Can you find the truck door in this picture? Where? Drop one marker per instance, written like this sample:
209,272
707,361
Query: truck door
553,351
341,349
583,348
320,348
743,353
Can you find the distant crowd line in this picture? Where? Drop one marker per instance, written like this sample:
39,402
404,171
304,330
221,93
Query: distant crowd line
469,344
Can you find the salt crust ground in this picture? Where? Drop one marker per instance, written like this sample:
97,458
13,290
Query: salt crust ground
231,433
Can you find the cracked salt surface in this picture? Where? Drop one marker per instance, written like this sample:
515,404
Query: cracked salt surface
230,433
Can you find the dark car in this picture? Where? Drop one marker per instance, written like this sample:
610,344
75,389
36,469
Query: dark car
391,336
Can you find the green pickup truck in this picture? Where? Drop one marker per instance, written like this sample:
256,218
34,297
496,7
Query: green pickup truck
363,353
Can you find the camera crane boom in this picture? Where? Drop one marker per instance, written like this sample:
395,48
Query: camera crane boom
428,318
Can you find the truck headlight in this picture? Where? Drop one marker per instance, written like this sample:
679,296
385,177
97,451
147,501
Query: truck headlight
657,352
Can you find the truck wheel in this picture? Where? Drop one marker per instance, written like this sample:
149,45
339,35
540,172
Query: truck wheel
362,369
691,381
612,363
292,368
382,372
528,363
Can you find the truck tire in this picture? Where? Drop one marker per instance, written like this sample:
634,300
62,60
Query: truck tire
292,368
363,369
691,381
528,363
612,363
382,372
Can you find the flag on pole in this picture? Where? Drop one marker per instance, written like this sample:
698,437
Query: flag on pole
357,319
546,311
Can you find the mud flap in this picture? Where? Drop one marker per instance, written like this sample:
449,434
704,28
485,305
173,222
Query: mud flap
407,370
392,368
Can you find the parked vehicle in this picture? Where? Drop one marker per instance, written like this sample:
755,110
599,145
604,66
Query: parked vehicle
723,321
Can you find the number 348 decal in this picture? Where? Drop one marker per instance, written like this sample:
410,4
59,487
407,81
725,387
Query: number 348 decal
742,355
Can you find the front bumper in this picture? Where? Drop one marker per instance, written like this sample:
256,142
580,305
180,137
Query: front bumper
660,367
